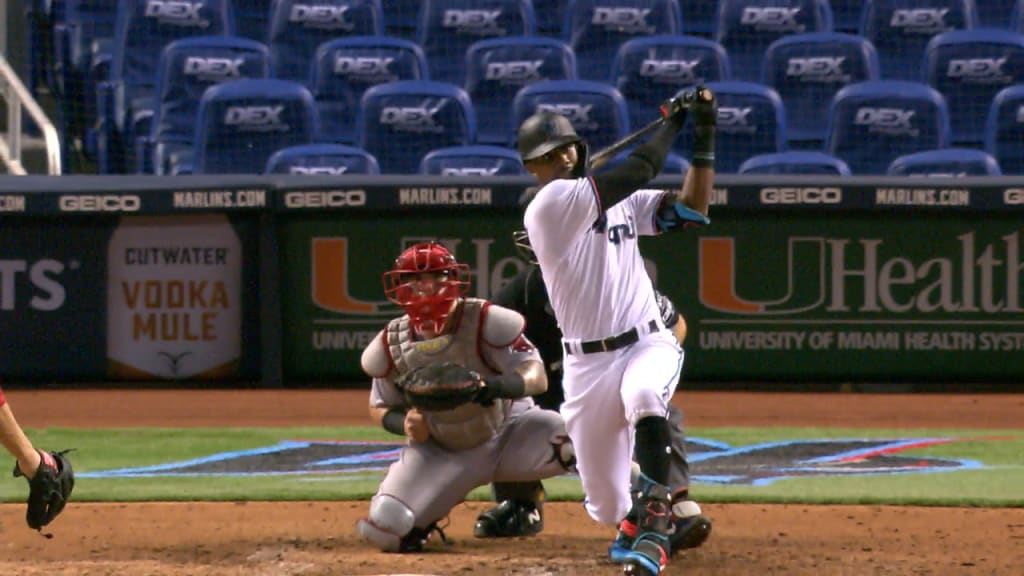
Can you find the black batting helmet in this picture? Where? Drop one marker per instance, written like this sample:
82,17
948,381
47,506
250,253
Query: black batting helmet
545,131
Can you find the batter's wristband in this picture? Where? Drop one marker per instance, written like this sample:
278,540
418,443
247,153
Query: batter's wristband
703,147
3,400
394,421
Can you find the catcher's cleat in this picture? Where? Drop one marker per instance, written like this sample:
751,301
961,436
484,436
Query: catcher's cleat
648,556
690,532
417,538
512,518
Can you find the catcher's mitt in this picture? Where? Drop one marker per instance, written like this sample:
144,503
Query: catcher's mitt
49,489
440,386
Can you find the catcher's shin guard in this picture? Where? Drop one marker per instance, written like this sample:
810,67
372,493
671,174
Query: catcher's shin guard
651,547
510,519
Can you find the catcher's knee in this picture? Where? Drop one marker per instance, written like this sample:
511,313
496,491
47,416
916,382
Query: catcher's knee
388,522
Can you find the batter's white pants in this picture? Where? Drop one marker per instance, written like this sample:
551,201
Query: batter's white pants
606,394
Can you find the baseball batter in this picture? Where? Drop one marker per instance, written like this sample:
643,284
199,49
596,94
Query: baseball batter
620,364
501,435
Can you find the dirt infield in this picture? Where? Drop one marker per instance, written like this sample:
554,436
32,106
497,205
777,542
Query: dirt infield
317,538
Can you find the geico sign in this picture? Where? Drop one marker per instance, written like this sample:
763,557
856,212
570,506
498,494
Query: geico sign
803,195
329,199
1013,196
100,203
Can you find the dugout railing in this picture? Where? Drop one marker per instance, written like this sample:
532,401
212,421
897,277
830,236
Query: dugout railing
221,281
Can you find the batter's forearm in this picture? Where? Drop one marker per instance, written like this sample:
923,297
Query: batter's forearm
639,168
696,191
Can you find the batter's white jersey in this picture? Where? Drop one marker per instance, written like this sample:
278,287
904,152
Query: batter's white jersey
591,262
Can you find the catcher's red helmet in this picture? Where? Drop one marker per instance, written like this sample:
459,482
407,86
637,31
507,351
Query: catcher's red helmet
425,281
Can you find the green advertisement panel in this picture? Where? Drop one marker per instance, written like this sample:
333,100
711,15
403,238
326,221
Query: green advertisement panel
861,296
332,293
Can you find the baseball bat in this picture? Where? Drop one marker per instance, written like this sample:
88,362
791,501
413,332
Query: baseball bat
604,155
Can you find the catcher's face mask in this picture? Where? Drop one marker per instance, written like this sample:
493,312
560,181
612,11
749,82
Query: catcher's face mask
426,281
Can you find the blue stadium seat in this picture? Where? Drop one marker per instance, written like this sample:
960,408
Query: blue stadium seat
745,28
144,28
995,13
73,82
242,123
401,18
326,159
647,71
795,162
596,28
871,123
187,68
298,28
751,121
968,67
846,15
447,28
699,18
900,30
400,122
252,18
1004,130
596,110
550,15
497,68
344,69
946,162
807,70
473,161
674,163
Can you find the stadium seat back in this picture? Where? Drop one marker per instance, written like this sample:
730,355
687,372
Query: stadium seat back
596,110
900,30
647,71
346,68
1004,130
299,27
447,28
242,123
596,28
872,123
745,28
968,67
808,69
953,162
795,162
400,122
479,160
499,67
145,27
322,159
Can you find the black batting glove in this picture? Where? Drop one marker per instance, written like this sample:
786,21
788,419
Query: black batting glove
704,108
674,111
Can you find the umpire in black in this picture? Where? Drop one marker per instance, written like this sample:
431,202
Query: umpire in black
519,511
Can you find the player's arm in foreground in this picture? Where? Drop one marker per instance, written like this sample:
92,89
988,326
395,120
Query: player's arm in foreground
16,442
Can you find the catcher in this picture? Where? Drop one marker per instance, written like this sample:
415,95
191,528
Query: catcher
454,375
49,474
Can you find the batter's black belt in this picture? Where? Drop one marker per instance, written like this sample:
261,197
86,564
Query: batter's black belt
613,343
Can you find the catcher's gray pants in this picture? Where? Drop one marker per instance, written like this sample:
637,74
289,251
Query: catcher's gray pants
431,480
